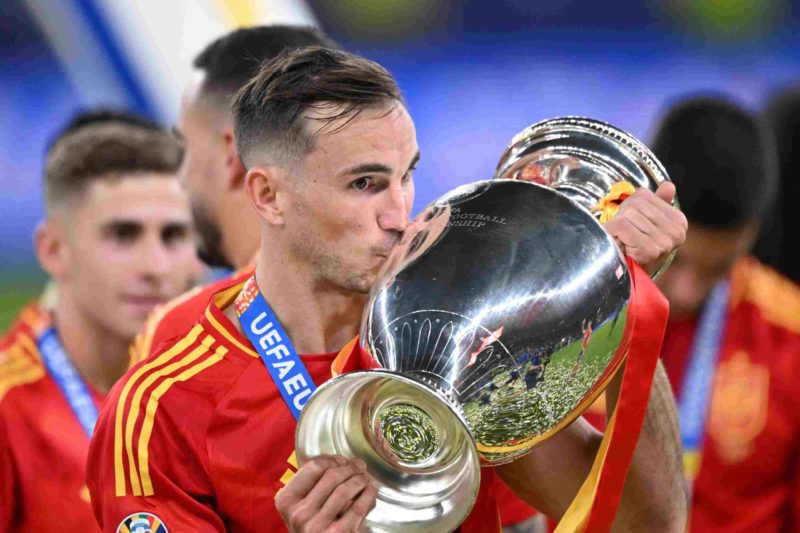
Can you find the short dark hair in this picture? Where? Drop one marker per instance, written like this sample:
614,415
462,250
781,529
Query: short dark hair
721,158
106,150
230,61
782,113
101,115
268,111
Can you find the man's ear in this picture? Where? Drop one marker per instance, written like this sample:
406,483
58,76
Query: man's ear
266,187
49,241
234,169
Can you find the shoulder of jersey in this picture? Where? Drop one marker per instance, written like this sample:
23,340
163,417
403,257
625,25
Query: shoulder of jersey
184,380
180,313
20,362
775,296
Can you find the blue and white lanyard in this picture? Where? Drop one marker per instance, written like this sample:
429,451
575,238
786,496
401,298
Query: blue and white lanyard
703,356
68,379
279,355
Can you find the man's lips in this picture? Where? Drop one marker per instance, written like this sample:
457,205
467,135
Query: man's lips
144,301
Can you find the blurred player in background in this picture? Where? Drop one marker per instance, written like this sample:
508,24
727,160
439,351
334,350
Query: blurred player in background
776,246
118,241
47,300
732,350
212,173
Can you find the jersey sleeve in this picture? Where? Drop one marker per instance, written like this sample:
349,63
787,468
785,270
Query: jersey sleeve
147,456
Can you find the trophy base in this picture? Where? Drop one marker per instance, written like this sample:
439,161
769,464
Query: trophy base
416,446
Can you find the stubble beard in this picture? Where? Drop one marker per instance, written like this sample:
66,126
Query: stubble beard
333,269
209,245
330,269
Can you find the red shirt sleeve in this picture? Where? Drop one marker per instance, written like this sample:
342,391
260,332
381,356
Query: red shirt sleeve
8,497
147,456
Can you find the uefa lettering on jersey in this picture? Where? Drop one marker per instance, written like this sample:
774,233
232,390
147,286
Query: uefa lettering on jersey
274,346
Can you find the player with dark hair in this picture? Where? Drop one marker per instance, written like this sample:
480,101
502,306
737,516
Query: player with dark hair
117,239
775,245
200,434
732,350
211,170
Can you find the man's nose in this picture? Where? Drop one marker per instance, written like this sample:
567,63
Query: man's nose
393,215
155,258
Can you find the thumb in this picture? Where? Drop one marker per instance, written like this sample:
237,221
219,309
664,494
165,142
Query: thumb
666,191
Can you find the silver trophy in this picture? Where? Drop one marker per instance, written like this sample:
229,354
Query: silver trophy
496,321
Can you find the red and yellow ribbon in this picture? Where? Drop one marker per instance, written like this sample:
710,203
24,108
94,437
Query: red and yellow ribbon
596,503
610,203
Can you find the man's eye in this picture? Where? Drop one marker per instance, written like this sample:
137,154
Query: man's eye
362,184
175,234
124,234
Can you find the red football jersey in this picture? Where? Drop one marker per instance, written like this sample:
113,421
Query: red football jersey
177,316
199,436
43,447
749,474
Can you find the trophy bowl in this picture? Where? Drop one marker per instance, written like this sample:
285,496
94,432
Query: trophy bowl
498,318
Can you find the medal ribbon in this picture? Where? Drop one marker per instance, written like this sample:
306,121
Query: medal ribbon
696,389
595,506
68,379
265,332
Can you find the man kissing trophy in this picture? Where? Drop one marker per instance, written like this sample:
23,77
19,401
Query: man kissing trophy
501,315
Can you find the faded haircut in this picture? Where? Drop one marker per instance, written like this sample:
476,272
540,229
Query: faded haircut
269,111
106,150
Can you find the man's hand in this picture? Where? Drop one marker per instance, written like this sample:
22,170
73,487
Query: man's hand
647,227
328,494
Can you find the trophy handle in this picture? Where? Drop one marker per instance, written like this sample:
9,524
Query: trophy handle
417,447
586,160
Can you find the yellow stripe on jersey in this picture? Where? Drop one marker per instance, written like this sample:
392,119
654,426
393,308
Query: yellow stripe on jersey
27,342
152,407
136,401
27,374
287,476
14,361
28,316
230,338
177,349
17,369
777,298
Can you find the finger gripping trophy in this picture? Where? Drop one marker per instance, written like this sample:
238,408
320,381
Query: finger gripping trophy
495,322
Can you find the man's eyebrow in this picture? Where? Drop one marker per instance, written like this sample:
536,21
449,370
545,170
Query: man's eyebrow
414,161
368,168
377,168
117,224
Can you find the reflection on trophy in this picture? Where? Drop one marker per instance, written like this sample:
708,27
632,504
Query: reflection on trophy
496,321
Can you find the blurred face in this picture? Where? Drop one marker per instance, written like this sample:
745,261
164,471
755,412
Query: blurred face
202,172
351,198
704,259
128,247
